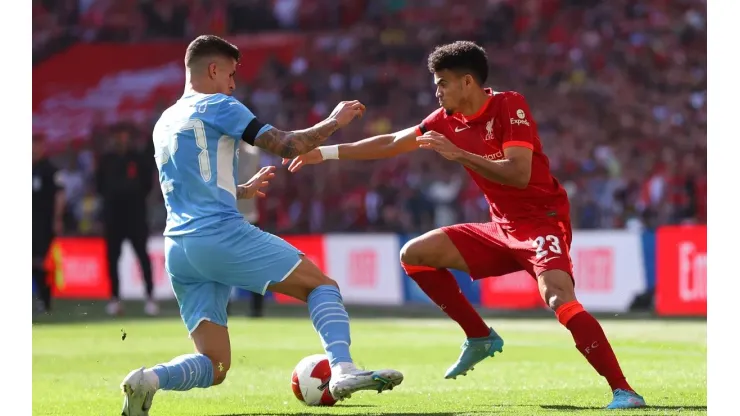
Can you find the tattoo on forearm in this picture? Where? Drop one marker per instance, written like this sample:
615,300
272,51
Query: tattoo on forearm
289,144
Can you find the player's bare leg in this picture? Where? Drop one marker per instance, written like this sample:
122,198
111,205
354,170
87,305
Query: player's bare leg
426,260
208,367
309,284
557,290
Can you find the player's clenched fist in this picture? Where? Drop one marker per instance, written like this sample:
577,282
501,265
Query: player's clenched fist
256,185
311,158
346,111
439,143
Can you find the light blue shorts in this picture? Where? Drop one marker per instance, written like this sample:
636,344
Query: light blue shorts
204,269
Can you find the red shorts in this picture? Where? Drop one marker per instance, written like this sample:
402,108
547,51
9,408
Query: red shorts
492,249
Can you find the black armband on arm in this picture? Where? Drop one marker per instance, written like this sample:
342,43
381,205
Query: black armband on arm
250,133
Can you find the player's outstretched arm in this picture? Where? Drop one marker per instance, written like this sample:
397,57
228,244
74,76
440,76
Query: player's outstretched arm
377,147
289,144
515,169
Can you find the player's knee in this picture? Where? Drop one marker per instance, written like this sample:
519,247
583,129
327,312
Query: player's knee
220,369
432,249
412,253
556,288
555,299
218,377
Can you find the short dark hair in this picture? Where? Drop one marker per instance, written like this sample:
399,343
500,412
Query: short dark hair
460,56
210,45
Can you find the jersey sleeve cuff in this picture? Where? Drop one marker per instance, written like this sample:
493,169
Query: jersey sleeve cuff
518,143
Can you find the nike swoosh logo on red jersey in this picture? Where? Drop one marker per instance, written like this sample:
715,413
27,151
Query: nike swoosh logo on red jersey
458,129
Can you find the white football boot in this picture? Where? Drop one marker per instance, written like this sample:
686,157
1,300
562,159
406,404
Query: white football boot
347,379
139,387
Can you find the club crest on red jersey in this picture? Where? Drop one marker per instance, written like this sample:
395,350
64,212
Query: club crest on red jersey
489,130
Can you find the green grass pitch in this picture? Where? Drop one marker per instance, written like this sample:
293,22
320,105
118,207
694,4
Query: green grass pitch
77,368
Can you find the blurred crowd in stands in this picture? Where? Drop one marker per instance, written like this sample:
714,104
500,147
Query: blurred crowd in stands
618,88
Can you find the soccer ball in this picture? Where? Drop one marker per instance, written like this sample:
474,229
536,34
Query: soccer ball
310,381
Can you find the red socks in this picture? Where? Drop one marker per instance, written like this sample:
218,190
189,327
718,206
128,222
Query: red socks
440,285
592,343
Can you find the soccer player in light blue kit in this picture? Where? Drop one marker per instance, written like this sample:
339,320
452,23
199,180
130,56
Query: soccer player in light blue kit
209,248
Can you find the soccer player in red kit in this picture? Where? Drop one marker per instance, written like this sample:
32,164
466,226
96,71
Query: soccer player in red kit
494,136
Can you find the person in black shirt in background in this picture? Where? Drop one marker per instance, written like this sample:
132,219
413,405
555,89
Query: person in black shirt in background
124,179
47,215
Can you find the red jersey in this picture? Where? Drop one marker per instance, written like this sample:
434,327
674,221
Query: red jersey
504,121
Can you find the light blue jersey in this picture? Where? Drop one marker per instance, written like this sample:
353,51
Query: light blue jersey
196,145
208,247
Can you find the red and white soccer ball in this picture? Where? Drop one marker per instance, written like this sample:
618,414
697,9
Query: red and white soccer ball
310,381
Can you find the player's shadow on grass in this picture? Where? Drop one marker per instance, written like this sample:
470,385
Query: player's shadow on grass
569,408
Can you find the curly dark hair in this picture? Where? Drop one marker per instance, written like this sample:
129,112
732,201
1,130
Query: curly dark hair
463,57
210,45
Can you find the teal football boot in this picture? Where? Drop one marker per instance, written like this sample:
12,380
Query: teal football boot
475,350
625,399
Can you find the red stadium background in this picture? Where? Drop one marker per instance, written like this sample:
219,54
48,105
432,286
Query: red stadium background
618,90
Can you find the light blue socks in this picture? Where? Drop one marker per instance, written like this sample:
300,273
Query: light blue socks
331,322
185,372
